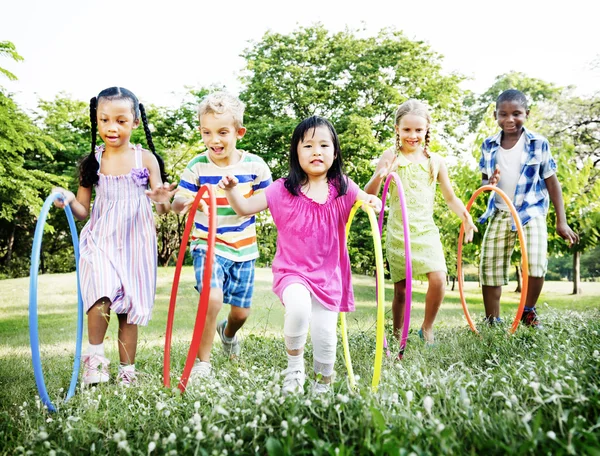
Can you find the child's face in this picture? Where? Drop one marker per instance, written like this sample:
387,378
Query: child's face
511,116
220,136
316,152
412,130
116,121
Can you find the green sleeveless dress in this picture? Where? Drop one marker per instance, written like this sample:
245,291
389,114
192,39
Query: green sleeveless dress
426,247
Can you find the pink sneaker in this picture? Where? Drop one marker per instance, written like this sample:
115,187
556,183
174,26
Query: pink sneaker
126,377
95,369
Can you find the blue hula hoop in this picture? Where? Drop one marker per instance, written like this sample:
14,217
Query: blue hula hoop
33,314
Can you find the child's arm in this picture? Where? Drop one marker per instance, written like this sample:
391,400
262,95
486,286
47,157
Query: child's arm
160,193
80,204
381,171
371,200
240,204
455,203
562,228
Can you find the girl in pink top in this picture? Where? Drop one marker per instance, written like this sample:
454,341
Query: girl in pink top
117,263
311,269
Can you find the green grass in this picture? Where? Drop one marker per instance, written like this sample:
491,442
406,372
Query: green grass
530,393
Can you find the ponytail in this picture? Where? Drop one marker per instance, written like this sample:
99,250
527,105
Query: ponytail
89,166
161,163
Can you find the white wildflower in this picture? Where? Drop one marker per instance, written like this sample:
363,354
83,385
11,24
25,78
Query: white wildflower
428,403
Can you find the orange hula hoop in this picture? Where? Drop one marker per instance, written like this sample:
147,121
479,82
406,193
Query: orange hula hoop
524,259
204,295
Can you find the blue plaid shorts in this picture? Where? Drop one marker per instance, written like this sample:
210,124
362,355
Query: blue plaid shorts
235,278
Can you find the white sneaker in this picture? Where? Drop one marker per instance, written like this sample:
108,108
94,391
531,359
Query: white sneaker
231,348
321,388
126,377
95,369
293,382
201,370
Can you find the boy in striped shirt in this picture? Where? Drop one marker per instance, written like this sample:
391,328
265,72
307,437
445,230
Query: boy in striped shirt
221,116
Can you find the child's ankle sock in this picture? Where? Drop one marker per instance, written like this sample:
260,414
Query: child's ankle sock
95,349
296,362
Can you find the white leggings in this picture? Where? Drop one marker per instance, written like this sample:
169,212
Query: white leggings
301,309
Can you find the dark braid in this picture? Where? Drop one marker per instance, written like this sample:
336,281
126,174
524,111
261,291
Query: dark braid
426,153
89,166
161,163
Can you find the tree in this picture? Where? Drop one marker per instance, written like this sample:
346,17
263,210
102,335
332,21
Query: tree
21,187
8,49
356,82
535,89
572,125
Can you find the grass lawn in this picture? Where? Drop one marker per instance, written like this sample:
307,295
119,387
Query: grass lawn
527,393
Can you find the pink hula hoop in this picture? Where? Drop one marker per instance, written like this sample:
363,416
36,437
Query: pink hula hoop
407,254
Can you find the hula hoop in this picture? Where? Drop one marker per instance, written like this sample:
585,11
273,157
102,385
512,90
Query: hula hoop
33,314
407,255
524,261
204,295
380,301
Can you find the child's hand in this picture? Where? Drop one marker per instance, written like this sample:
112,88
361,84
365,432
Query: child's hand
163,193
383,172
374,202
565,232
68,197
470,227
228,182
495,177
203,206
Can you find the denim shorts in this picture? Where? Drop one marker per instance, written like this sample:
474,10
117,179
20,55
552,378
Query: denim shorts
234,278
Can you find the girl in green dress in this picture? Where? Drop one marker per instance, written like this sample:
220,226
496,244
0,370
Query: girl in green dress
420,171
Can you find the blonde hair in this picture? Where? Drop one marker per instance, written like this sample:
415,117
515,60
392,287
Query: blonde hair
222,103
416,108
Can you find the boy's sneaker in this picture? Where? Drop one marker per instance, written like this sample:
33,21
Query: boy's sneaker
321,388
530,318
231,347
493,321
126,377
95,369
201,370
293,382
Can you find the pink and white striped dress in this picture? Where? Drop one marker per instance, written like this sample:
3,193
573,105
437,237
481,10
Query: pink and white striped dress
118,251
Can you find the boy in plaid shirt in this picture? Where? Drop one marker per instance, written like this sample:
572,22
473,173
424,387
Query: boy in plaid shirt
528,171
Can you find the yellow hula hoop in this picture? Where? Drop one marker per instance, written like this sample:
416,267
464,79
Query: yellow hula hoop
380,300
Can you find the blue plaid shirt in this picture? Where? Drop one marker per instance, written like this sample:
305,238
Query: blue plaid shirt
531,196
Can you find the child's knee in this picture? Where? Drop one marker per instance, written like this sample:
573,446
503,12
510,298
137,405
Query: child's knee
215,302
239,314
437,280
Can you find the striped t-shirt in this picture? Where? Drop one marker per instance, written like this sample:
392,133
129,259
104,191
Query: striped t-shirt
236,235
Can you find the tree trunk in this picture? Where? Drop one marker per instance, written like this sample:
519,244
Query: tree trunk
576,272
11,242
453,282
518,273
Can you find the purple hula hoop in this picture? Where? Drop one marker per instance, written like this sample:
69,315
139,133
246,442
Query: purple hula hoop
407,255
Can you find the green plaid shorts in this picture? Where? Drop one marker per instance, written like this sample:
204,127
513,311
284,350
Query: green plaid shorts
499,243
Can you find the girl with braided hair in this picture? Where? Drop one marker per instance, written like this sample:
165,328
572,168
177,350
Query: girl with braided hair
419,170
118,253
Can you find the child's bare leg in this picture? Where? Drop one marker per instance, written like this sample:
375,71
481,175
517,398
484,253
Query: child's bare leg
398,307
98,318
534,288
128,337
491,300
215,303
436,290
235,320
